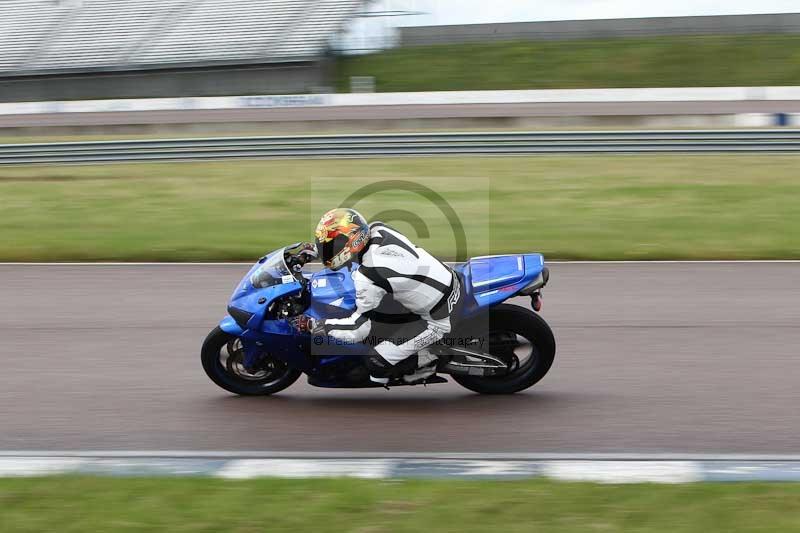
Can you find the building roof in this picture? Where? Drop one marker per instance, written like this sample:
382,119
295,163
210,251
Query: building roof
39,36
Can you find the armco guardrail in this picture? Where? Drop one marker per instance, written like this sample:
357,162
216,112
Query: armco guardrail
395,145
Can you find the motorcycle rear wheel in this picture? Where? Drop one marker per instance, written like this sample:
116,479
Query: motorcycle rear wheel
506,320
222,362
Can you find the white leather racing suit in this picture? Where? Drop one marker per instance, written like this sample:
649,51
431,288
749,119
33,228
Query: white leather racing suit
422,284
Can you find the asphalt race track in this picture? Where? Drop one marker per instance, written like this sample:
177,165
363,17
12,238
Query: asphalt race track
659,357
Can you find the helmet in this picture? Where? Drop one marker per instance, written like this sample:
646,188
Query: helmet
340,235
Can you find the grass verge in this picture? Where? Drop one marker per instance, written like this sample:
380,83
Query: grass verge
77,504
682,61
609,207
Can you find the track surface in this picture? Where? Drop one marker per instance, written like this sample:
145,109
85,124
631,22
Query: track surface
652,358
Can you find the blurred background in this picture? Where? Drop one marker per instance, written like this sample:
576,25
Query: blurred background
650,151
212,72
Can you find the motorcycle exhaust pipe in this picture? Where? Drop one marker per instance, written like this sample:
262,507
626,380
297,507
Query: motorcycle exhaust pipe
472,370
537,284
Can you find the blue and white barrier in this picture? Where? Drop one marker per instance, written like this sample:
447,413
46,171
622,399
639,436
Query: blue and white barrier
690,94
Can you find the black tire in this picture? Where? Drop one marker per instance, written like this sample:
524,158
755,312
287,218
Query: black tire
526,323
273,382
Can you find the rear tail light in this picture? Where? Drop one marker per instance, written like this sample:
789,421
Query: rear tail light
536,301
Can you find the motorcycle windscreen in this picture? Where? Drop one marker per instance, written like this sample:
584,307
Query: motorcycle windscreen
273,271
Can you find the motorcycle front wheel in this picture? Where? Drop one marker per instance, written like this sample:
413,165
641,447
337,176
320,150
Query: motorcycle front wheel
520,335
223,361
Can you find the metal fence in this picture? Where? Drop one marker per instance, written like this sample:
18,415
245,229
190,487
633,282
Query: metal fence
398,145
767,24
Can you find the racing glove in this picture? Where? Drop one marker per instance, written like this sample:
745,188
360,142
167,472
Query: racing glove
307,324
303,253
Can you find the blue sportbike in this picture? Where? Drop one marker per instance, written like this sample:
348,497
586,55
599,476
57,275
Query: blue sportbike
494,348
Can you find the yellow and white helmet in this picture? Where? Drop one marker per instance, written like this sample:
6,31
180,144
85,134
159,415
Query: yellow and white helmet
340,235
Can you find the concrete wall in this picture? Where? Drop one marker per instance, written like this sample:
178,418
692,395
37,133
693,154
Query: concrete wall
600,29
297,78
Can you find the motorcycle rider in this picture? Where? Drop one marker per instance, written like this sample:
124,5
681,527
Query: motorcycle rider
389,264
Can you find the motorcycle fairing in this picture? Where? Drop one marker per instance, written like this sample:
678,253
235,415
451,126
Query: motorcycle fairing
255,302
488,281
491,280
332,294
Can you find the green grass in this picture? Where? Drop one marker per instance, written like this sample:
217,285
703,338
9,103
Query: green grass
609,207
690,61
75,504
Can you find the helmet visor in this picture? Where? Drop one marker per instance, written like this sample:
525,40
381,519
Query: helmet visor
328,250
